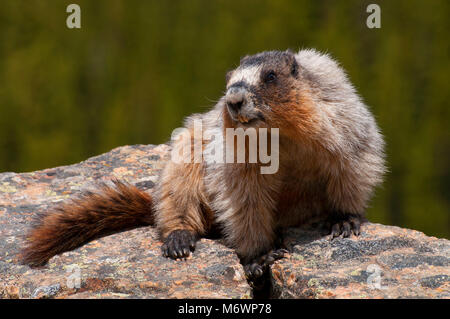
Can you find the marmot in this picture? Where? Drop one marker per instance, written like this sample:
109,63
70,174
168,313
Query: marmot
330,160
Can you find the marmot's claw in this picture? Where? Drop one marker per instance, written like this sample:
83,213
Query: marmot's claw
273,255
253,271
346,227
260,265
179,244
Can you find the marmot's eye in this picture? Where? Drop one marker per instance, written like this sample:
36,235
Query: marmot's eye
270,77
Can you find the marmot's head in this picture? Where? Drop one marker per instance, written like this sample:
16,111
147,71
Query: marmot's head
264,90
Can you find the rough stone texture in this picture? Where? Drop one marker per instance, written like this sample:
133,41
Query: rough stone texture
124,265
383,262
129,264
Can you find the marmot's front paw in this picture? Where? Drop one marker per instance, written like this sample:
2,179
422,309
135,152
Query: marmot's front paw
179,244
257,267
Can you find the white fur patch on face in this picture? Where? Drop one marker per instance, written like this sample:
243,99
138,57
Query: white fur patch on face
249,75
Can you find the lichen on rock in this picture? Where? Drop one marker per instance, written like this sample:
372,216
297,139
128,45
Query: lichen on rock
383,262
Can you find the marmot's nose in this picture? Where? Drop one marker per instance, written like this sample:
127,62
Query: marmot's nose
235,98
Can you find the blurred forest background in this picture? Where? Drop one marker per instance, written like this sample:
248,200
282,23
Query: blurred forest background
136,68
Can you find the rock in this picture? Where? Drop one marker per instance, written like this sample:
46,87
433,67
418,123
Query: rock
123,265
384,262
129,265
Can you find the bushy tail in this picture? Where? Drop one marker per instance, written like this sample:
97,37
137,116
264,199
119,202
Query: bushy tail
88,217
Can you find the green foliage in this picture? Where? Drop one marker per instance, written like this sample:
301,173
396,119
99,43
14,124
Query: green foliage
136,68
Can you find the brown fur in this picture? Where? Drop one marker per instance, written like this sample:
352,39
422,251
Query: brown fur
329,161
86,218
331,158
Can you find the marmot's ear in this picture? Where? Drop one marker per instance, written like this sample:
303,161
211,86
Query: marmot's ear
293,62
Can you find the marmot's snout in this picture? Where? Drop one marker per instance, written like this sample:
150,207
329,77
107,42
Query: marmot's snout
236,98
239,104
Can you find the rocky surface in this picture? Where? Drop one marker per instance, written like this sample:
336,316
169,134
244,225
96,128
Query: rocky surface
124,265
384,262
129,265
